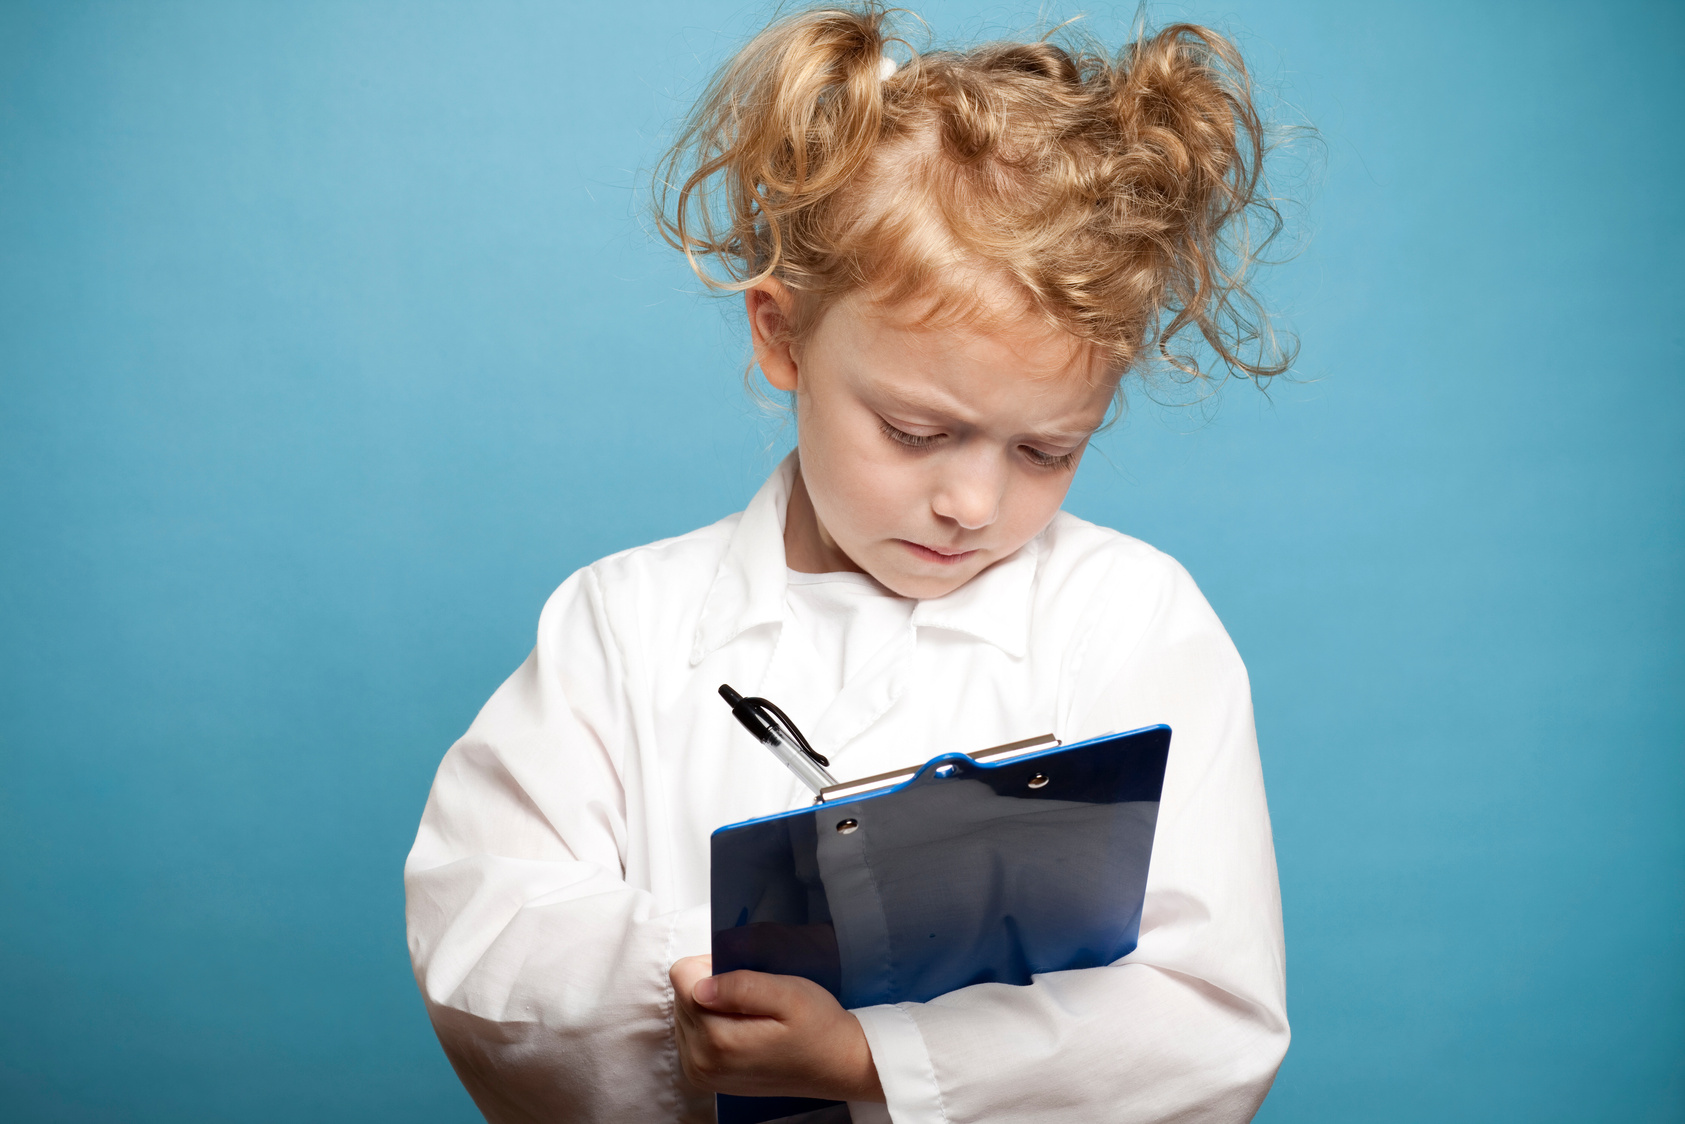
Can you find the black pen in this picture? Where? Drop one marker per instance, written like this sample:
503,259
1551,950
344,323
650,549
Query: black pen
773,729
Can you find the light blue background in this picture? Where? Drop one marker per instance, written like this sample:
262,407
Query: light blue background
331,341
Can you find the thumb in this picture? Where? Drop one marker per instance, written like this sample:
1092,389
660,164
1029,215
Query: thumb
750,993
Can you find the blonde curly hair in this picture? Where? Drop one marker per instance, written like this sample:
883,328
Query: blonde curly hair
1121,195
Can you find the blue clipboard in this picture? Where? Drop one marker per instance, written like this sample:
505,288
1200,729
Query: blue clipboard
969,872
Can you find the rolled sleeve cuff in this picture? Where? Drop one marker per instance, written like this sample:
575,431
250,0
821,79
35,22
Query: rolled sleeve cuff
903,1065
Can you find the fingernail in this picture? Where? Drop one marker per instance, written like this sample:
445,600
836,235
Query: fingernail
705,990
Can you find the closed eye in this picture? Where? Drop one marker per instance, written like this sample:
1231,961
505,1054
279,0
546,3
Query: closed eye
1048,460
911,440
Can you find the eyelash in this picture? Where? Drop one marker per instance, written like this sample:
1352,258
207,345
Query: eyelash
1042,460
902,437
918,441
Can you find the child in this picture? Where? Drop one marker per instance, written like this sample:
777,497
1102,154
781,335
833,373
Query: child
950,266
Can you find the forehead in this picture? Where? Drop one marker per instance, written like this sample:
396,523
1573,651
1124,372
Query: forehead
1000,366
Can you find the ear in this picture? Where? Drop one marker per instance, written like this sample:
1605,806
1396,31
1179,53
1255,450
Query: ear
771,306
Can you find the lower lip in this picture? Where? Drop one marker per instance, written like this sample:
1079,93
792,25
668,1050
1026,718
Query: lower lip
936,556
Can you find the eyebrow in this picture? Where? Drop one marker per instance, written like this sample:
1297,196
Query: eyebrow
1062,437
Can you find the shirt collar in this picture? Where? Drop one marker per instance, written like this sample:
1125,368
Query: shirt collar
994,606
749,588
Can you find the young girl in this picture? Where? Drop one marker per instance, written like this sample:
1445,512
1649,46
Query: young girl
950,265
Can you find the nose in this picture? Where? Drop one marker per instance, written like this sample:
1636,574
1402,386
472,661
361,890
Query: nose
969,491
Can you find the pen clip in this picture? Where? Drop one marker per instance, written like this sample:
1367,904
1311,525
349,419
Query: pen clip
762,717
786,727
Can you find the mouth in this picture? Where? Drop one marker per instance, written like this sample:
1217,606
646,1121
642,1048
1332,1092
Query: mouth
931,554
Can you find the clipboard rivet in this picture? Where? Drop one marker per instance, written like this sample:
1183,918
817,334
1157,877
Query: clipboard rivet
846,827
1038,780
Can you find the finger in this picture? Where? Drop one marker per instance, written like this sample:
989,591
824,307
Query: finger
684,975
755,993
687,970
692,1047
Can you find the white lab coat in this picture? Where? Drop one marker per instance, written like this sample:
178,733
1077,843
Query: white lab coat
562,861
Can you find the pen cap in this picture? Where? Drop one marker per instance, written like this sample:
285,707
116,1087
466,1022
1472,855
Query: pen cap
746,715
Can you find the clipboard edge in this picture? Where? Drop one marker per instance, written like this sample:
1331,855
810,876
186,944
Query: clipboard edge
913,775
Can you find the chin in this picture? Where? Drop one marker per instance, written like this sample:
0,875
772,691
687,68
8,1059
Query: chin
922,587
890,565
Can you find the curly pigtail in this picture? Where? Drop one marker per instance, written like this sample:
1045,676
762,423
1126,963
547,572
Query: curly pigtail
785,126
1189,181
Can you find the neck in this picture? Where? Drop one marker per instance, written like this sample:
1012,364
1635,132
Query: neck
808,549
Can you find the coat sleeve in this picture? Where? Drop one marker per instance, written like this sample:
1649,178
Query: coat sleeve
542,962
1191,1026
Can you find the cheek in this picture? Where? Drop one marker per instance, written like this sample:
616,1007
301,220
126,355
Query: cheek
855,483
1037,501
865,494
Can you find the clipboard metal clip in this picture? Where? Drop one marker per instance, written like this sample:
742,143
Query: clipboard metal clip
896,776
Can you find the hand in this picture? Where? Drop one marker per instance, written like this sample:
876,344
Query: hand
760,1035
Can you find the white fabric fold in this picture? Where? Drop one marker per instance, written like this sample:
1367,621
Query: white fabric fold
903,1064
